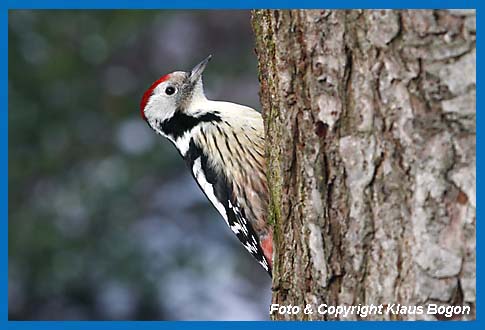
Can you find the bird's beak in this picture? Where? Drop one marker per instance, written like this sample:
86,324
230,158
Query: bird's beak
196,72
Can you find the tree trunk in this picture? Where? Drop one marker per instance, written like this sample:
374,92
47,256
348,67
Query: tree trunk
370,125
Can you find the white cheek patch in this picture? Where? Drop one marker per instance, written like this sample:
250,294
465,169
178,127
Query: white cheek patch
157,102
208,188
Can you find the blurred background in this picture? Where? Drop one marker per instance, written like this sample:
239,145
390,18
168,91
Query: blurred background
105,221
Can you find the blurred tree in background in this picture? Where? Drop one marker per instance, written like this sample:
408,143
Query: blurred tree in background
105,221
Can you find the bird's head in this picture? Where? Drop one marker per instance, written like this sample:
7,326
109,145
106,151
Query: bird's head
173,92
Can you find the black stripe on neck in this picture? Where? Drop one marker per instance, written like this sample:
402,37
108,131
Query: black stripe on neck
181,123
192,154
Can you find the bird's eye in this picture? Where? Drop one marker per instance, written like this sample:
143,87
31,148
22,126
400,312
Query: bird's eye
169,90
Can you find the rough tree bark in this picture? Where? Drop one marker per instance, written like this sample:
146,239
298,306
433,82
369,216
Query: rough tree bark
370,124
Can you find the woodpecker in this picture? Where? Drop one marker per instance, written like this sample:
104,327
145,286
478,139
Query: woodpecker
222,143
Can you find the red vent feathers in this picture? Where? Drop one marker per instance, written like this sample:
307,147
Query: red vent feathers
148,93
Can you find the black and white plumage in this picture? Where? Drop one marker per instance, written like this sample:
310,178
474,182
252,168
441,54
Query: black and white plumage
222,143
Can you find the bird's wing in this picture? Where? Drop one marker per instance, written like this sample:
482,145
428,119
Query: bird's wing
219,191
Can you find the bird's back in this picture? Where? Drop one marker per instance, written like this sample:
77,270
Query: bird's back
234,151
